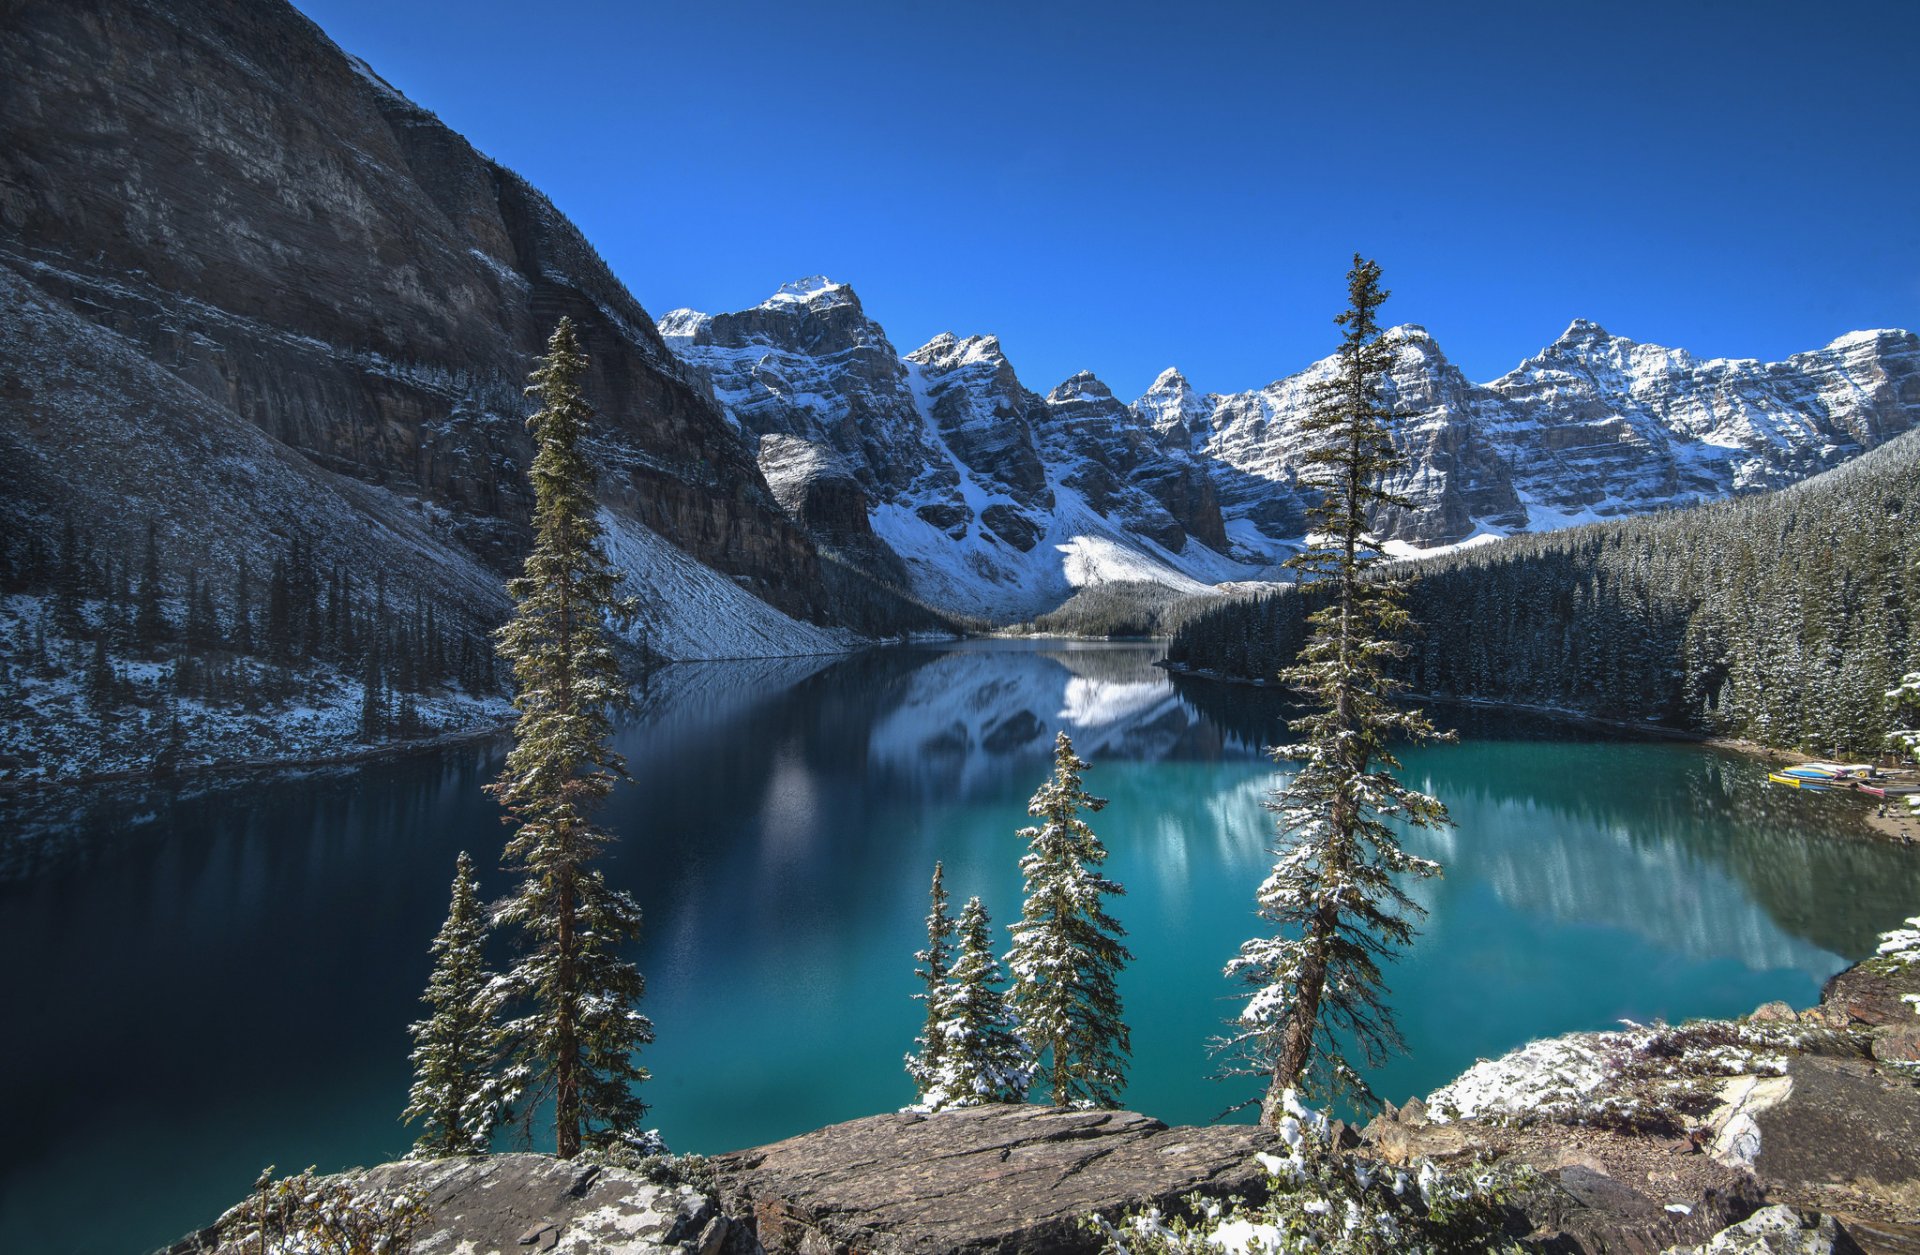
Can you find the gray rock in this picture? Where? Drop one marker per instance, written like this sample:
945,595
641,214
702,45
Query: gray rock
1777,1230
997,1178
514,1204
1841,1122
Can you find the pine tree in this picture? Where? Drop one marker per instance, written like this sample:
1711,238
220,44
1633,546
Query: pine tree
150,625
457,1095
1332,896
577,1040
242,638
1066,949
373,711
982,1057
1904,701
101,686
935,962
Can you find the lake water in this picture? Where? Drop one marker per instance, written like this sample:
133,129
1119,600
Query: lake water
202,981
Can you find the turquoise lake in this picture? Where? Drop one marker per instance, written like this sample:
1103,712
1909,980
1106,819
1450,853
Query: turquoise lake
206,979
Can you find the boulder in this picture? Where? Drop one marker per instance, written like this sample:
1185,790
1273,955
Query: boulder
510,1204
1874,993
994,1178
1777,1230
1898,1043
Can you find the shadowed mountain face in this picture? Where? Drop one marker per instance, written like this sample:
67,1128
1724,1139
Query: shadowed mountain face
220,195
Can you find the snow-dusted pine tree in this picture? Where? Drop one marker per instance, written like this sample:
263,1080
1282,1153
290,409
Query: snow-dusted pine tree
1066,949
935,962
982,1057
458,1095
1905,738
1333,897
575,1043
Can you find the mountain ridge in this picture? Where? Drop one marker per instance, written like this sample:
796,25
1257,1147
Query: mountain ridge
1183,486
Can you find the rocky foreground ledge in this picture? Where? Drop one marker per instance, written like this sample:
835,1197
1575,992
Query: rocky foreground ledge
1783,1132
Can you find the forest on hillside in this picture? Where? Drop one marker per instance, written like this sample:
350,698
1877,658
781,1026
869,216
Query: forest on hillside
1784,618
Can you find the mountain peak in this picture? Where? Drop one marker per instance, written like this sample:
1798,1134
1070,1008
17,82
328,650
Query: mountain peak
1583,331
809,291
1082,384
1170,380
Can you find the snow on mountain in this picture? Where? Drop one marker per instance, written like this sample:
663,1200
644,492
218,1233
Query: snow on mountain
690,611
1593,426
1000,501
997,501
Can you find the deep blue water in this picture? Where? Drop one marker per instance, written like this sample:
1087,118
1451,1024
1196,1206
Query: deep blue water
204,980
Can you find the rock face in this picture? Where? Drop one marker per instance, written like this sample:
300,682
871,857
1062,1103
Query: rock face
983,496
995,1178
1593,426
529,1204
980,484
235,203
1777,1230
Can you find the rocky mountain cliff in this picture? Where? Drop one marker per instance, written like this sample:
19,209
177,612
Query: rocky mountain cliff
251,291
1594,426
1000,501
984,496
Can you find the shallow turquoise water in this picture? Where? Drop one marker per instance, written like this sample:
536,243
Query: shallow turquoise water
200,983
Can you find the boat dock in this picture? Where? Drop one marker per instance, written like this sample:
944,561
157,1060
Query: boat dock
1883,783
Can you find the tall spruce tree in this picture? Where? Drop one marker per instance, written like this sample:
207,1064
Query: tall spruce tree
150,625
576,1041
1904,701
458,1095
982,1057
1066,950
935,962
1332,896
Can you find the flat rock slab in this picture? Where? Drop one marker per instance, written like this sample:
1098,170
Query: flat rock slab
1846,1140
1001,1178
536,1205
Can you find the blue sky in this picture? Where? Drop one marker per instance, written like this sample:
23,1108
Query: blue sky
1123,187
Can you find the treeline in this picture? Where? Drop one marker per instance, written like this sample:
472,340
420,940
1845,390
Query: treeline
1783,618
162,629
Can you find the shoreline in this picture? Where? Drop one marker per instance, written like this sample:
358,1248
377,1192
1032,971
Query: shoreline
1900,825
256,766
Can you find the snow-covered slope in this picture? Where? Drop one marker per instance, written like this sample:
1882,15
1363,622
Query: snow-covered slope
1000,502
689,610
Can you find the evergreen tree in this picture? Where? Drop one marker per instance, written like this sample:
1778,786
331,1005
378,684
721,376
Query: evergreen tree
982,1057
373,710
279,629
1905,740
1066,949
1332,896
70,583
457,1095
935,962
101,684
242,636
577,1040
203,625
149,619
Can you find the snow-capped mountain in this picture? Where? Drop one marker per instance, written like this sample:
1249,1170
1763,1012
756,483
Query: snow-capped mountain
1595,425
1000,500
996,501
